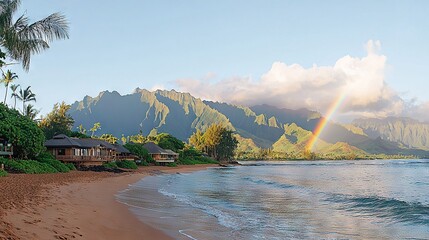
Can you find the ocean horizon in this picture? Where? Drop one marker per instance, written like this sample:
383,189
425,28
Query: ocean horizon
366,199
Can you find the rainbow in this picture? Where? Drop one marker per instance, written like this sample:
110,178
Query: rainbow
324,120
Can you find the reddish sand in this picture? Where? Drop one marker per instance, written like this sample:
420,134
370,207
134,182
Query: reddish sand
75,205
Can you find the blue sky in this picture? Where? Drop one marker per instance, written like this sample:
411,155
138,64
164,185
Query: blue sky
124,45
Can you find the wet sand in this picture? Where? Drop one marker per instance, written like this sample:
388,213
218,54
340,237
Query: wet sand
75,205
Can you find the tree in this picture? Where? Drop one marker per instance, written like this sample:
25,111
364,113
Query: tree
31,112
212,138
218,142
139,138
20,39
94,128
197,140
25,136
227,145
8,78
57,121
139,150
25,96
14,87
109,138
167,141
81,129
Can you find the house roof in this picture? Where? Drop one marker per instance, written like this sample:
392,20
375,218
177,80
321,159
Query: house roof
121,148
170,152
91,142
62,140
152,148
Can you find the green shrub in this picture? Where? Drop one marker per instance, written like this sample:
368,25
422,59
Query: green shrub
172,164
143,163
111,165
61,167
47,157
3,173
27,166
127,164
196,160
70,166
138,150
23,133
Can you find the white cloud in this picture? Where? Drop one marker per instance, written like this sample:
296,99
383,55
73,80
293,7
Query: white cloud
293,86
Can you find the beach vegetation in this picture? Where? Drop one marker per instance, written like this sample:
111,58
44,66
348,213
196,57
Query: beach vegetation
172,164
127,164
217,141
110,165
26,95
139,151
70,166
167,141
14,89
3,173
192,156
19,39
8,78
47,157
27,166
25,136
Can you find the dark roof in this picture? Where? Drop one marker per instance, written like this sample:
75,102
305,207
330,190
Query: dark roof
91,142
65,141
121,149
171,152
153,148
62,141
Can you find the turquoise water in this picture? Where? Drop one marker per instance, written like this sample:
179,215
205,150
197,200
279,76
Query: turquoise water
380,199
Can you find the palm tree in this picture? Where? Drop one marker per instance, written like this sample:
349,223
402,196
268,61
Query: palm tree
14,87
7,79
31,112
26,95
20,39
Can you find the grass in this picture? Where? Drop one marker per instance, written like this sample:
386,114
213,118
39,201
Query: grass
3,173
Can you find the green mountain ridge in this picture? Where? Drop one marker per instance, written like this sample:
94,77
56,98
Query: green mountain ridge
259,127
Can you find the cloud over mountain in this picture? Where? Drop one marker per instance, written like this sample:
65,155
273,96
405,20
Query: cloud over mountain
294,86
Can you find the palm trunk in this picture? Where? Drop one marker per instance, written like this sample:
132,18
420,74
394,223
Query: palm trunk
23,108
5,95
14,104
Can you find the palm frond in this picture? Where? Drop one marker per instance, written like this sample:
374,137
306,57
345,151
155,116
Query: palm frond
55,26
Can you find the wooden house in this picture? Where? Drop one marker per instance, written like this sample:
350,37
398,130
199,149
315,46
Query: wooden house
84,151
159,154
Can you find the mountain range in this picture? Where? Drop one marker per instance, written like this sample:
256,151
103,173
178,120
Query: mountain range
261,126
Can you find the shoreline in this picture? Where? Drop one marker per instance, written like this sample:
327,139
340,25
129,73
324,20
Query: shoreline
80,206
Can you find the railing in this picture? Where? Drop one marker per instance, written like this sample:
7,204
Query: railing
6,150
69,158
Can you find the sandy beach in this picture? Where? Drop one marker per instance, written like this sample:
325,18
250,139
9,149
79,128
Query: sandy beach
75,205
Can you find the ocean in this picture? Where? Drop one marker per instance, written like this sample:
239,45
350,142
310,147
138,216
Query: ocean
370,199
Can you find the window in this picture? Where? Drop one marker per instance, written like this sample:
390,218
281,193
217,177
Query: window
61,151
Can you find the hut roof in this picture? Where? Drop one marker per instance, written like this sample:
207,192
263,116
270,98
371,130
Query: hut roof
170,152
121,149
62,141
153,148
